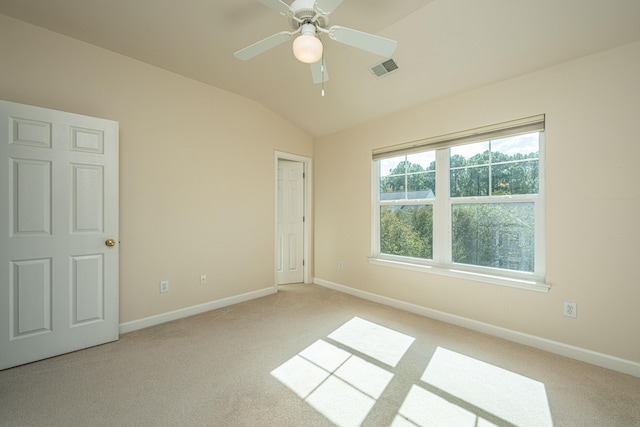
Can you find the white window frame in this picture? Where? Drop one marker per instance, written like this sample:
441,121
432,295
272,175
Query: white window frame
442,264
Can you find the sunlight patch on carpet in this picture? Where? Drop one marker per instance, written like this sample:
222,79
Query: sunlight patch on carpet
327,356
383,344
423,408
300,375
509,396
338,383
364,376
341,403
344,375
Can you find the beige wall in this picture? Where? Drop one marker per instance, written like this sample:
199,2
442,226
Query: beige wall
592,109
196,166
197,186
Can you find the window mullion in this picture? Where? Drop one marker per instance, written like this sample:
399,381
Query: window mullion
442,210
490,189
406,185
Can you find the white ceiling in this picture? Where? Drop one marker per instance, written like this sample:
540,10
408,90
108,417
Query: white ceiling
444,46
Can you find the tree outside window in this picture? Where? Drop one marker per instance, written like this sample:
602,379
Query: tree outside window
486,203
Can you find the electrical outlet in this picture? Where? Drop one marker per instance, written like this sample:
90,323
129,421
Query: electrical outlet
203,279
570,309
164,286
340,265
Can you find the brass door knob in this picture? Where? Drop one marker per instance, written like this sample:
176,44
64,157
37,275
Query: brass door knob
110,242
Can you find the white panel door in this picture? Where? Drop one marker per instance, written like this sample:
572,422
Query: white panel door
58,210
290,234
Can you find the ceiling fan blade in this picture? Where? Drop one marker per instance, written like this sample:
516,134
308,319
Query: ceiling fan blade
277,5
365,41
325,7
262,46
317,73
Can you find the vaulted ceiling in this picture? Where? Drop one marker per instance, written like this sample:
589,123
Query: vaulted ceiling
444,46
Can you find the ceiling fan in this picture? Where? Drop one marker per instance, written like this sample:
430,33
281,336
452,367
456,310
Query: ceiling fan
309,19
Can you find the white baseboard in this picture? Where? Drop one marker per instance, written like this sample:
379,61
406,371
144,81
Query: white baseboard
584,355
134,325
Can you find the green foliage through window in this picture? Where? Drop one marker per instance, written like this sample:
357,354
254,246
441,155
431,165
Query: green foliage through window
407,231
499,235
485,226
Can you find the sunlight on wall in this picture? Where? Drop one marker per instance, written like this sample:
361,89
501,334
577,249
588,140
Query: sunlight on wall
333,377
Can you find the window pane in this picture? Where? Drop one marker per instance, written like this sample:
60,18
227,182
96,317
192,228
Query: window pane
515,178
421,181
470,182
469,154
393,187
516,147
408,177
497,235
407,231
469,175
421,185
393,178
425,161
392,166
515,165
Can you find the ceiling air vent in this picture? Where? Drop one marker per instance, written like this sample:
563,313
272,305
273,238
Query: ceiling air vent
384,68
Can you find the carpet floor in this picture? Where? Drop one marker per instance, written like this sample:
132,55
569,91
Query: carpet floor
310,356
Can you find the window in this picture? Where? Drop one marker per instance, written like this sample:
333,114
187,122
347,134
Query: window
465,204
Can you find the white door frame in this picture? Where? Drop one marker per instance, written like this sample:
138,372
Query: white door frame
306,161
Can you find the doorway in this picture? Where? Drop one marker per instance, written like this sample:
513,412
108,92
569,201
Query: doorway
293,219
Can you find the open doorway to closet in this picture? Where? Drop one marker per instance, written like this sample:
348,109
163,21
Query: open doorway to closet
293,219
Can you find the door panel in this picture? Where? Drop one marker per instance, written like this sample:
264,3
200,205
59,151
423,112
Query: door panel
87,196
290,256
30,297
59,193
31,198
88,288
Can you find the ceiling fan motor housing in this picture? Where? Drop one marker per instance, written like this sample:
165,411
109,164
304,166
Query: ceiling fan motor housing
303,12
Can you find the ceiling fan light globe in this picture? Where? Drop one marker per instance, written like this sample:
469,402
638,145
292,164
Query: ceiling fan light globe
307,48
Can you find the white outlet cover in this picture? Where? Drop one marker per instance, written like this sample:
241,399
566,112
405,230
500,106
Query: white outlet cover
164,286
570,309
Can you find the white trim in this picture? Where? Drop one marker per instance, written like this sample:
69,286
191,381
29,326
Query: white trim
308,213
134,325
595,358
541,215
442,262
531,285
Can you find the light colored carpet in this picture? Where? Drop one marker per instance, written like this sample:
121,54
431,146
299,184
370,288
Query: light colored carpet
309,356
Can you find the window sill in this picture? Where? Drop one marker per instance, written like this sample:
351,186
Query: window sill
530,285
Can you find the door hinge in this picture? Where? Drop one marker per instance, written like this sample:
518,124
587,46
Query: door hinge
303,263
304,175
303,218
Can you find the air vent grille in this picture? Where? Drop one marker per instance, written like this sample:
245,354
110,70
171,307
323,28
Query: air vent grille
384,68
